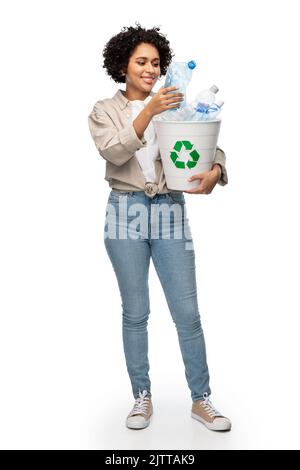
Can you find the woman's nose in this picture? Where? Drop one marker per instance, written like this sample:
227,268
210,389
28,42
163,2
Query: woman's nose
150,68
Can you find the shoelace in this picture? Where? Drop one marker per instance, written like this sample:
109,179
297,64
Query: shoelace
208,406
141,404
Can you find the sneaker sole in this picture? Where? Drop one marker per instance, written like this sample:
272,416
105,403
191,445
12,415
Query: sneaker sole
138,425
224,425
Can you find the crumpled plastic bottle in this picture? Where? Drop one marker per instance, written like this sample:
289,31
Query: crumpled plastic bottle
206,98
179,74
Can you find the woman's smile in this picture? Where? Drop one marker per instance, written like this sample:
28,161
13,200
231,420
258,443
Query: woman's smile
148,80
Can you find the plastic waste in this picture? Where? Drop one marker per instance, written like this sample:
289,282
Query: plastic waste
203,108
213,111
179,74
205,98
188,113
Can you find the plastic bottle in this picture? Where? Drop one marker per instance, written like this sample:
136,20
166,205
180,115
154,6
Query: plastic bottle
205,98
179,74
188,113
210,113
214,110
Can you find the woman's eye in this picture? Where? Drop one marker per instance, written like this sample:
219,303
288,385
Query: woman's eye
143,63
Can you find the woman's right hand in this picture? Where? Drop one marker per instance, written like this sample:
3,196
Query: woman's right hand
163,100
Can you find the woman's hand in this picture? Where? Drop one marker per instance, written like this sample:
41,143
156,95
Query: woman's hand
164,100
208,181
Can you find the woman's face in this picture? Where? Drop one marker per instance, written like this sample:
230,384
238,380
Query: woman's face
143,69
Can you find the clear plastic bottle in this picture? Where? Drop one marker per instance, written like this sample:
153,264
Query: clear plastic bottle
188,113
179,74
214,110
205,98
210,113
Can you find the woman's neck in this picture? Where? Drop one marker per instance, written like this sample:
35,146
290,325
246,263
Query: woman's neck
133,95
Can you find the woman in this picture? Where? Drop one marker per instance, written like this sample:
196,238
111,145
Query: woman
124,136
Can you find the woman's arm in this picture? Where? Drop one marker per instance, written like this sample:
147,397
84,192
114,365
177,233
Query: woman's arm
208,179
217,169
220,158
142,121
114,146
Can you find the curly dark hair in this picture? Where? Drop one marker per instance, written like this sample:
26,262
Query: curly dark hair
120,47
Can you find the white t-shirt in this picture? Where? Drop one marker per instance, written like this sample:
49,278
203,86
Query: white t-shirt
146,155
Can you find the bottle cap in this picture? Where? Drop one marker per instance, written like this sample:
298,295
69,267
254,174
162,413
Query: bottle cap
219,103
191,64
214,89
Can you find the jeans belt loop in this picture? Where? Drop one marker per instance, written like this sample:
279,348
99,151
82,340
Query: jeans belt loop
151,189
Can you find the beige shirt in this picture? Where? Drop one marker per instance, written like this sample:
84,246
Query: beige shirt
116,140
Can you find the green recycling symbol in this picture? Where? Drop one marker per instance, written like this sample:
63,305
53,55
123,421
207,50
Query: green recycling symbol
188,146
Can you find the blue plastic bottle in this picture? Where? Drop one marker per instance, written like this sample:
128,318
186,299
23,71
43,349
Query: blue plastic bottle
214,110
210,113
179,74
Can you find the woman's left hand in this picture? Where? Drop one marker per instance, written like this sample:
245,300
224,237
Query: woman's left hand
208,181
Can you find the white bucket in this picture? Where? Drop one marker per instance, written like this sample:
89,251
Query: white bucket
186,148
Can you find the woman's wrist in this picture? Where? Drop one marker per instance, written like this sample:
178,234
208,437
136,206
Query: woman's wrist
141,122
148,112
217,170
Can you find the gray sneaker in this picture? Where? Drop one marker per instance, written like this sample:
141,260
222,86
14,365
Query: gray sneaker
206,413
139,416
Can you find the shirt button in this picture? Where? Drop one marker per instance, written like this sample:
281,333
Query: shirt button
128,115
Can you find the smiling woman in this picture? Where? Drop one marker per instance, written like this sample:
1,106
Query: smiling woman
142,71
124,135
116,57
144,56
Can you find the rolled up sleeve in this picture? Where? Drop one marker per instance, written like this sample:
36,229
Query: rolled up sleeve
115,146
220,158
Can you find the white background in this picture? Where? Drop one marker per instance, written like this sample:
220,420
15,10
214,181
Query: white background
64,384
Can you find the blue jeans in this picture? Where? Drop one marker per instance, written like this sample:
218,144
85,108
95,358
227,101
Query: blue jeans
138,228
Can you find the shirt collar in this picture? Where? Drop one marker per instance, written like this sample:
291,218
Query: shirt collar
123,101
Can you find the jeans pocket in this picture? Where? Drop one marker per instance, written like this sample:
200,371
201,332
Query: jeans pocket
113,196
